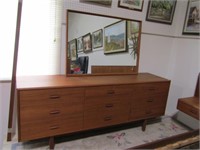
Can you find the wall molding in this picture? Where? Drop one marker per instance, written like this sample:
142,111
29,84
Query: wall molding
5,81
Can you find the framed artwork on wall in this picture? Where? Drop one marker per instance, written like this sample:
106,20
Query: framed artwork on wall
131,4
80,44
72,50
107,3
192,18
115,38
97,38
87,43
161,11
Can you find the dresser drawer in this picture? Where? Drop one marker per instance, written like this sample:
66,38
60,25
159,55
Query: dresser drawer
50,96
99,118
49,127
189,106
28,113
146,113
152,101
151,88
104,91
104,101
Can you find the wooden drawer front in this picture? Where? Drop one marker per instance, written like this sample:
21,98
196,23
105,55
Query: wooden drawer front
99,118
104,91
106,94
50,127
151,88
48,112
51,96
93,102
28,113
151,101
188,109
147,113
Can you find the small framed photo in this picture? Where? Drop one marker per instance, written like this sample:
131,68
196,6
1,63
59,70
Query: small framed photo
97,38
87,43
72,50
80,44
192,18
131,4
106,3
161,11
115,38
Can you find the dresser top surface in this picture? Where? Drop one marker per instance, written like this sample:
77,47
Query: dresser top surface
192,101
59,81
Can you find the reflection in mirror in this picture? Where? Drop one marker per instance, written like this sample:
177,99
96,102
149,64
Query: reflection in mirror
98,44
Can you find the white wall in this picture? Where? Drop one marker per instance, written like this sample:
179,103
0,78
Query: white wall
1,117
4,109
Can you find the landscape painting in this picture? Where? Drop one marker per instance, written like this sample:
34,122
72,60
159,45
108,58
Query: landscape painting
79,45
97,37
73,50
192,18
115,38
161,11
131,4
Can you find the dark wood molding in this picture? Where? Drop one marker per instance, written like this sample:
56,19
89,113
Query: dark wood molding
13,81
166,141
197,87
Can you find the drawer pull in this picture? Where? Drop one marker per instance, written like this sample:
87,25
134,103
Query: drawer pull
150,100
148,112
193,112
54,97
54,127
110,92
152,89
54,112
108,118
109,105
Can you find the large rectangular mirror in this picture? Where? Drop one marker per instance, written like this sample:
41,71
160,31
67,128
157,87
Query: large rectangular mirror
101,45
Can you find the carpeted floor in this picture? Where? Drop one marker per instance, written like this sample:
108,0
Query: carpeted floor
116,140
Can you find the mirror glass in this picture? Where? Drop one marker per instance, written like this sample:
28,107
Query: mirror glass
98,44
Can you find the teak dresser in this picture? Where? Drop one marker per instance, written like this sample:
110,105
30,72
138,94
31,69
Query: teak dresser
54,105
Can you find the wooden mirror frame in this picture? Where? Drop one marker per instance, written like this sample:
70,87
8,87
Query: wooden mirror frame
104,70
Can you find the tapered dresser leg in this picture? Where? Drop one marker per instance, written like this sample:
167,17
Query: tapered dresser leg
51,143
144,125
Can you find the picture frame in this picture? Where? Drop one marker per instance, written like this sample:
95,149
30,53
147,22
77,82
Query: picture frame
72,50
106,3
87,43
97,38
192,20
133,36
161,11
131,4
79,44
115,40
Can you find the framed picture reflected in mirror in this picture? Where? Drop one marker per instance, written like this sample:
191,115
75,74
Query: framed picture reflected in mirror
87,43
97,39
115,38
72,50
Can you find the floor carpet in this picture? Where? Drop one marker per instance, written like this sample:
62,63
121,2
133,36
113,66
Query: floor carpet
117,140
